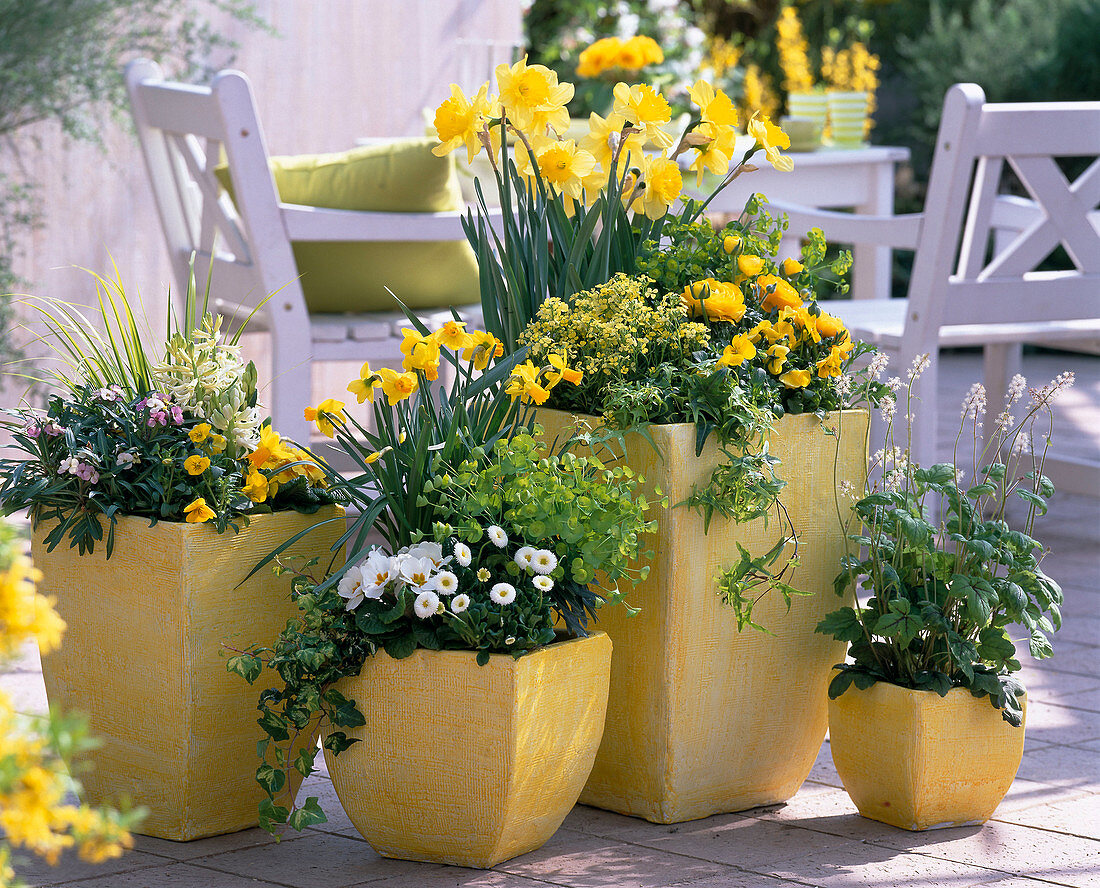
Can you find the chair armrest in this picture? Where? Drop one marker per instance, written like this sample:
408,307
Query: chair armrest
899,232
318,224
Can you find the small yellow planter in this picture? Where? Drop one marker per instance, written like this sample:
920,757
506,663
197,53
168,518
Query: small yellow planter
703,719
143,657
471,765
919,761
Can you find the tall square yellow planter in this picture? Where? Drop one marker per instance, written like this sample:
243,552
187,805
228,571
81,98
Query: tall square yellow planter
471,765
703,719
143,657
919,761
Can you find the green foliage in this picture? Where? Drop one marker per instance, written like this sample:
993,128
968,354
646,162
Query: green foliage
744,583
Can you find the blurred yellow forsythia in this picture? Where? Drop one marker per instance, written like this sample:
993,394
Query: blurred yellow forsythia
34,753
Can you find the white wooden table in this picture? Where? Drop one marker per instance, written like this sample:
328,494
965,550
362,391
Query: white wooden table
858,178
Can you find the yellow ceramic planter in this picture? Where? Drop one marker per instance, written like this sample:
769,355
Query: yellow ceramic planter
143,657
920,761
703,719
471,765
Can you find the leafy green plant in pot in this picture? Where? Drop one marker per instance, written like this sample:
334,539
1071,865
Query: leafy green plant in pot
926,718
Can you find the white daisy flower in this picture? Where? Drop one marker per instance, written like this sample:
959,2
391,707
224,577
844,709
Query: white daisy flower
524,556
544,561
460,603
446,583
483,574
543,583
511,639
503,593
426,605
416,572
351,587
463,555
497,536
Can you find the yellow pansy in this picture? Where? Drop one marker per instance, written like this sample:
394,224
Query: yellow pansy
831,365
197,511
646,109
808,323
463,121
795,379
484,348
531,94
775,292
363,387
196,464
323,414
758,331
200,432
791,267
255,487
397,386
737,352
452,335
829,326
777,357
750,265
716,300
218,443
714,105
780,330
771,138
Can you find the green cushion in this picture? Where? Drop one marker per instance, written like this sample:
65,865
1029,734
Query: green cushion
402,176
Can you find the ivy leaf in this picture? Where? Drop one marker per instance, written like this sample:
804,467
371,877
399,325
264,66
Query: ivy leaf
271,815
247,666
309,814
274,725
270,778
337,741
304,761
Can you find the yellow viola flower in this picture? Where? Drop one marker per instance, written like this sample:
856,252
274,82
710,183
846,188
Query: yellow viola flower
774,292
771,138
196,464
778,331
397,386
200,432
218,443
737,352
808,323
531,94
716,300
658,186
197,511
323,413
791,267
463,121
777,357
714,105
484,348
565,372
730,243
452,335
796,379
713,146
760,330
829,326
421,352
363,387
831,365
645,108
255,487
750,265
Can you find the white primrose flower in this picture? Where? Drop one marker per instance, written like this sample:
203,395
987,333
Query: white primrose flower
427,604
524,557
497,536
446,583
503,593
544,561
463,555
430,550
351,587
68,466
377,570
460,603
416,572
542,583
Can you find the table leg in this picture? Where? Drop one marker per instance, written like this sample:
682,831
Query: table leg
872,264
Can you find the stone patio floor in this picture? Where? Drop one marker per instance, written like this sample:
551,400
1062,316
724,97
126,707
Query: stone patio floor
1046,832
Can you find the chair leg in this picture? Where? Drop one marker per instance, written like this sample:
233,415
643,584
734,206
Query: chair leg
291,384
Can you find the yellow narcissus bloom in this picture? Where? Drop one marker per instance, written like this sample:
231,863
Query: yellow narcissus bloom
397,386
771,138
646,109
776,293
421,353
605,134
462,121
363,387
714,147
831,365
718,300
321,414
714,105
484,348
524,383
197,511
200,432
796,379
750,265
570,375
777,357
829,326
737,352
255,487
791,267
659,185
531,94
561,164
453,335
196,464
270,451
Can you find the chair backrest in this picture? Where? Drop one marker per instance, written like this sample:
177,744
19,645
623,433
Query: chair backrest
963,273
184,131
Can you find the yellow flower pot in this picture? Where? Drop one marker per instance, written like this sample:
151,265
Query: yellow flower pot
703,719
143,657
471,765
916,760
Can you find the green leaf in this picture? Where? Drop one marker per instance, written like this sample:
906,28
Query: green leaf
274,725
994,645
271,815
843,625
309,814
898,623
270,778
840,683
246,666
304,761
337,741
400,647
1040,646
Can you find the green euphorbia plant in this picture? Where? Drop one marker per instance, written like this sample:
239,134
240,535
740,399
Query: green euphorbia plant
947,593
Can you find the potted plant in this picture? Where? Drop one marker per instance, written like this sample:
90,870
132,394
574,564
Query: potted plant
459,692
153,487
714,364
926,719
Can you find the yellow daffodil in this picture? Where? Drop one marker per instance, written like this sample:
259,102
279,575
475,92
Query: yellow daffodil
524,383
363,387
715,300
452,335
796,379
269,451
197,511
714,105
713,146
397,386
200,432
531,94
750,265
777,357
421,353
570,375
659,185
604,137
791,267
463,121
323,414
560,162
646,109
737,352
831,365
376,455
196,464
775,292
255,487
730,243
828,325
771,138
484,348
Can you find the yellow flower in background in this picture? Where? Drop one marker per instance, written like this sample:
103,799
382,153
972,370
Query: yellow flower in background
771,138
717,300
775,292
791,267
528,92
659,185
397,386
646,109
363,387
611,53
323,413
714,147
777,357
795,379
197,511
832,364
196,464
453,335
793,59
737,352
462,121
25,614
200,432
638,52
255,487
750,265
599,57
484,348
714,105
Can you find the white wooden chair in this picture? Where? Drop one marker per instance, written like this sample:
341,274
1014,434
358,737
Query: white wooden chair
183,130
971,284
